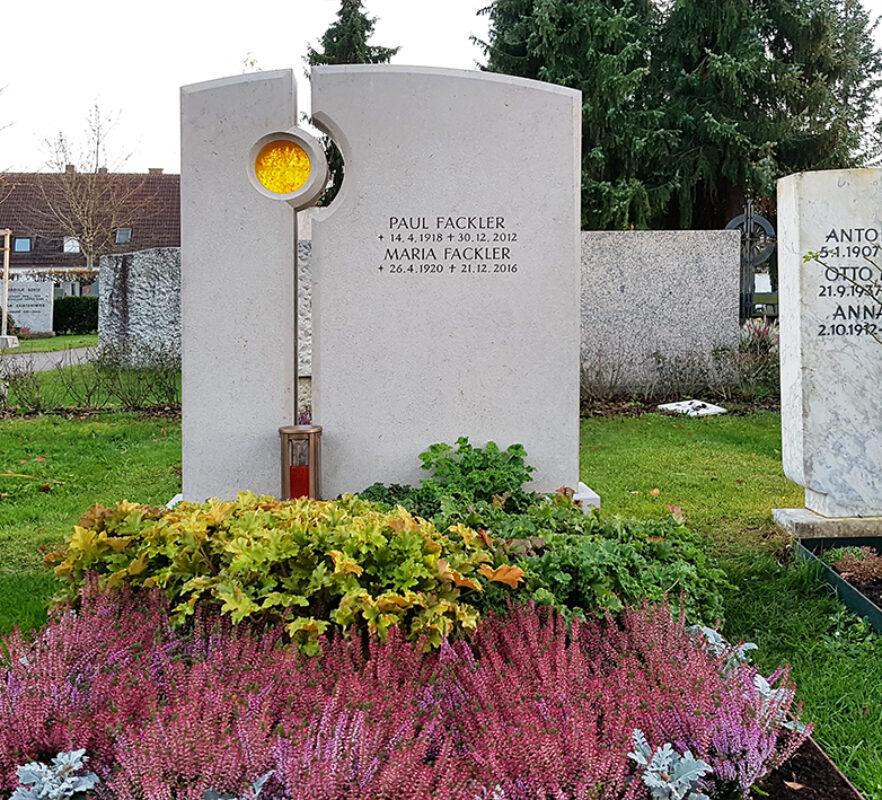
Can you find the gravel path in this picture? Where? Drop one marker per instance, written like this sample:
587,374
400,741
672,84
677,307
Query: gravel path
46,361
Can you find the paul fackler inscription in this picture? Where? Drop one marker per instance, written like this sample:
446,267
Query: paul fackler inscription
448,244
850,282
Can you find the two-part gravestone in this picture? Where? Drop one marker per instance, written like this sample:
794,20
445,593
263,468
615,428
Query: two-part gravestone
445,274
830,290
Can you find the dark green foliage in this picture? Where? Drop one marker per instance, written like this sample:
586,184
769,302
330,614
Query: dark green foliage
11,330
762,90
346,42
76,315
690,107
579,563
602,49
463,475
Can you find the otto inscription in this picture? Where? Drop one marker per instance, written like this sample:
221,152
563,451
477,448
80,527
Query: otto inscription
850,282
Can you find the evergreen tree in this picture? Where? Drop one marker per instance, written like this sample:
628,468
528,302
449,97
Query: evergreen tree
760,90
346,42
690,106
602,49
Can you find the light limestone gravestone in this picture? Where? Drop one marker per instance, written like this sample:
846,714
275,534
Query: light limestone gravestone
831,357
445,276
31,304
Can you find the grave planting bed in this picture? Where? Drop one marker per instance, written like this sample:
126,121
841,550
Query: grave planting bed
862,595
808,774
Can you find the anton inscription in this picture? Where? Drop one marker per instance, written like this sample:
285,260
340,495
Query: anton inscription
850,282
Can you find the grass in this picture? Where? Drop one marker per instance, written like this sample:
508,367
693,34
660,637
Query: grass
51,470
53,344
82,385
725,472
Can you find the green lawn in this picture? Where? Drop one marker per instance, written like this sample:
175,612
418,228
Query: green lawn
725,472
54,344
51,470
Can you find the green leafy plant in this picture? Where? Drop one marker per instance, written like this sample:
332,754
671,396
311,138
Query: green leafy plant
307,564
465,473
578,563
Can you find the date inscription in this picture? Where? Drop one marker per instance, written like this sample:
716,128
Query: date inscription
448,244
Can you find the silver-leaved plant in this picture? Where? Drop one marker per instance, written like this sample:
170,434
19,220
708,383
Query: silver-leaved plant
63,779
251,794
668,774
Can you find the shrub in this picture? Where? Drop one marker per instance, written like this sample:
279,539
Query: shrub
578,563
140,375
584,564
306,563
466,474
532,707
11,330
76,315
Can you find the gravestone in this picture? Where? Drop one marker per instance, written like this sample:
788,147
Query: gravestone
445,276
656,297
831,358
140,300
31,303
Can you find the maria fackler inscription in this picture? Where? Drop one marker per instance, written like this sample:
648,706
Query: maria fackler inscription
849,282
448,245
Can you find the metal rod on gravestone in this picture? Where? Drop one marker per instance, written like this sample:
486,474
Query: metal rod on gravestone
6,234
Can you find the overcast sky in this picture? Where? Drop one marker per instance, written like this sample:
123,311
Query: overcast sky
59,58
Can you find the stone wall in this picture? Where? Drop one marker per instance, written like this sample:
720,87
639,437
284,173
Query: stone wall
674,293
140,299
655,298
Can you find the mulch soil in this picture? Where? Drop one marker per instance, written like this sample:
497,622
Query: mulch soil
807,775
863,572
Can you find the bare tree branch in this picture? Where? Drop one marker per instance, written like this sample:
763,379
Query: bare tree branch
86,197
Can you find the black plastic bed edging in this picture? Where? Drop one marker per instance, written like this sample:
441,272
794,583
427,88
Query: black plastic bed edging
854,601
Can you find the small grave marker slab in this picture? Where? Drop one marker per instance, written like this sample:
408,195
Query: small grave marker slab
693,408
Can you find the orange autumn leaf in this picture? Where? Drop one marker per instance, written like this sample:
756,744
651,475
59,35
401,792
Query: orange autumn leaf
507,574
655,492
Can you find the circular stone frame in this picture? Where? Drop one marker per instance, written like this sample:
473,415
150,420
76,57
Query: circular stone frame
307,194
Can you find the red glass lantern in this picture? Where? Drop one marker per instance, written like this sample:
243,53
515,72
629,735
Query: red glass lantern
301,461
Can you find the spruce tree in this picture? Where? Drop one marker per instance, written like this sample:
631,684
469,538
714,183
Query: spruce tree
691,106
602,49
346,42
758,90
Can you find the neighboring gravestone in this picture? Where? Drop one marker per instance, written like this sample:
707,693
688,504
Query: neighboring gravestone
445,277
140,300
655,298
831,358
30,303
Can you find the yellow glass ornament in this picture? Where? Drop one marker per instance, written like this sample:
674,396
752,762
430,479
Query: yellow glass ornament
282,166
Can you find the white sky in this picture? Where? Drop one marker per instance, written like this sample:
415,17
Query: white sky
59,58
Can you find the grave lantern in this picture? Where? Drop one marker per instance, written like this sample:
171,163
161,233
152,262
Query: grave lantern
301,461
